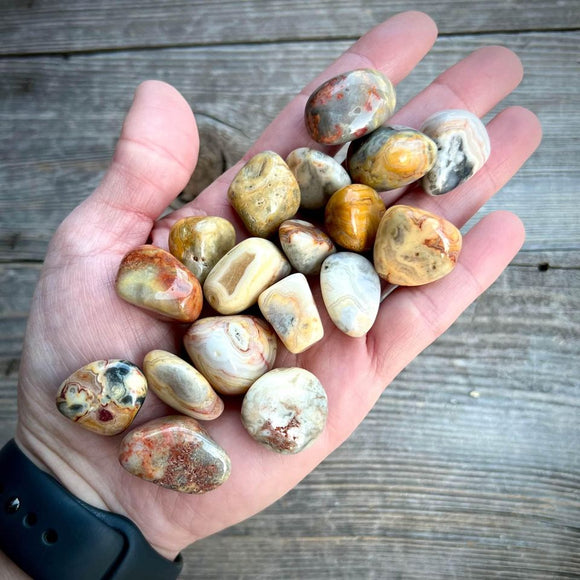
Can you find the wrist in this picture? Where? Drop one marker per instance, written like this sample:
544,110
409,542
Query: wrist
51,534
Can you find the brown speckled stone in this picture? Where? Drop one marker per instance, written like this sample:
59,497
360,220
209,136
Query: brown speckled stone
177,453
349,106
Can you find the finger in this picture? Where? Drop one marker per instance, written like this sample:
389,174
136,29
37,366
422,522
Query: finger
386,48
477,83
155,156
411,318
514,134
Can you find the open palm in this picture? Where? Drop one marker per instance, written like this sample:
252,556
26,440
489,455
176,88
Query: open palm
76,316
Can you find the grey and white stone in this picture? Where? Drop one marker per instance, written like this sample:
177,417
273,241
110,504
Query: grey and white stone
305,245
351,290
318,176
285,409
463,147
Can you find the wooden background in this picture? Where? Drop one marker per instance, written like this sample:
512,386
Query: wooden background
468,467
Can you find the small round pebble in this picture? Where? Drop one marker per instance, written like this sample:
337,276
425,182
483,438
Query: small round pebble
285,410
318,176
103,396
200,241
175,452
349,106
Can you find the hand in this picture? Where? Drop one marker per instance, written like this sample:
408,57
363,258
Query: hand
77,318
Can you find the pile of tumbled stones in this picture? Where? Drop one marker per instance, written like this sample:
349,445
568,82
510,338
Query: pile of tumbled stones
234,352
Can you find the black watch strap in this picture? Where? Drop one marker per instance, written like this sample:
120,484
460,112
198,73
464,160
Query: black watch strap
52,535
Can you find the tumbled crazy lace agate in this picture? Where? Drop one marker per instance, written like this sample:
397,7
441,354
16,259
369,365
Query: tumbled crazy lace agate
175,452
463,147
153,279
414,246
243,273
289,307
349,106
181,386
200,241
305,245
351,290
231,351
318,176
285,409
391,157
264,193
103,396
352,216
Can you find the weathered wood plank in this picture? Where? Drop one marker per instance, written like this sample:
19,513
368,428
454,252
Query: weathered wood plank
61,118
467,467
82,25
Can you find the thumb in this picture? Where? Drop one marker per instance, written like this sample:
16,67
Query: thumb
153,161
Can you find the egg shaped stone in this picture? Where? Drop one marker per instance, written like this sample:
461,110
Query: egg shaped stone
103,396
351,291
318,176
181,386
463,148
415,247
154,280
264,193
391,157
231,351
305,245
175,452
200,241
352,216
285,410
289,307
237,280
349,106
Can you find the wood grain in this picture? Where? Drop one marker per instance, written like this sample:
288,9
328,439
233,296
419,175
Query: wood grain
36,26
468,462
468,466
62,118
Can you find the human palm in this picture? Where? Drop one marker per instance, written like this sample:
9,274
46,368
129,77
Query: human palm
76,316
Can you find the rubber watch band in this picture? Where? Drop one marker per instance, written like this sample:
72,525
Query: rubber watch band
52,535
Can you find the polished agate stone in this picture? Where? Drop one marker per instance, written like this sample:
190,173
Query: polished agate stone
414,246
391,157
351,291
103,396
285,410
352,216
243,273
175,452
305,245
318,176
349,106
181,386
289,307
264,193
153,279
200,241
463,148
231,351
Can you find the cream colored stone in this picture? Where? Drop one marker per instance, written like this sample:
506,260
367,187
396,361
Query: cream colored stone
289,307
243,273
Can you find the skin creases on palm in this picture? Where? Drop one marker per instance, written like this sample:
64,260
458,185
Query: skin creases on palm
76,316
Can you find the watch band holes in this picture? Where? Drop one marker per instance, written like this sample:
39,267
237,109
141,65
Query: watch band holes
49,537
30,519
12,505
